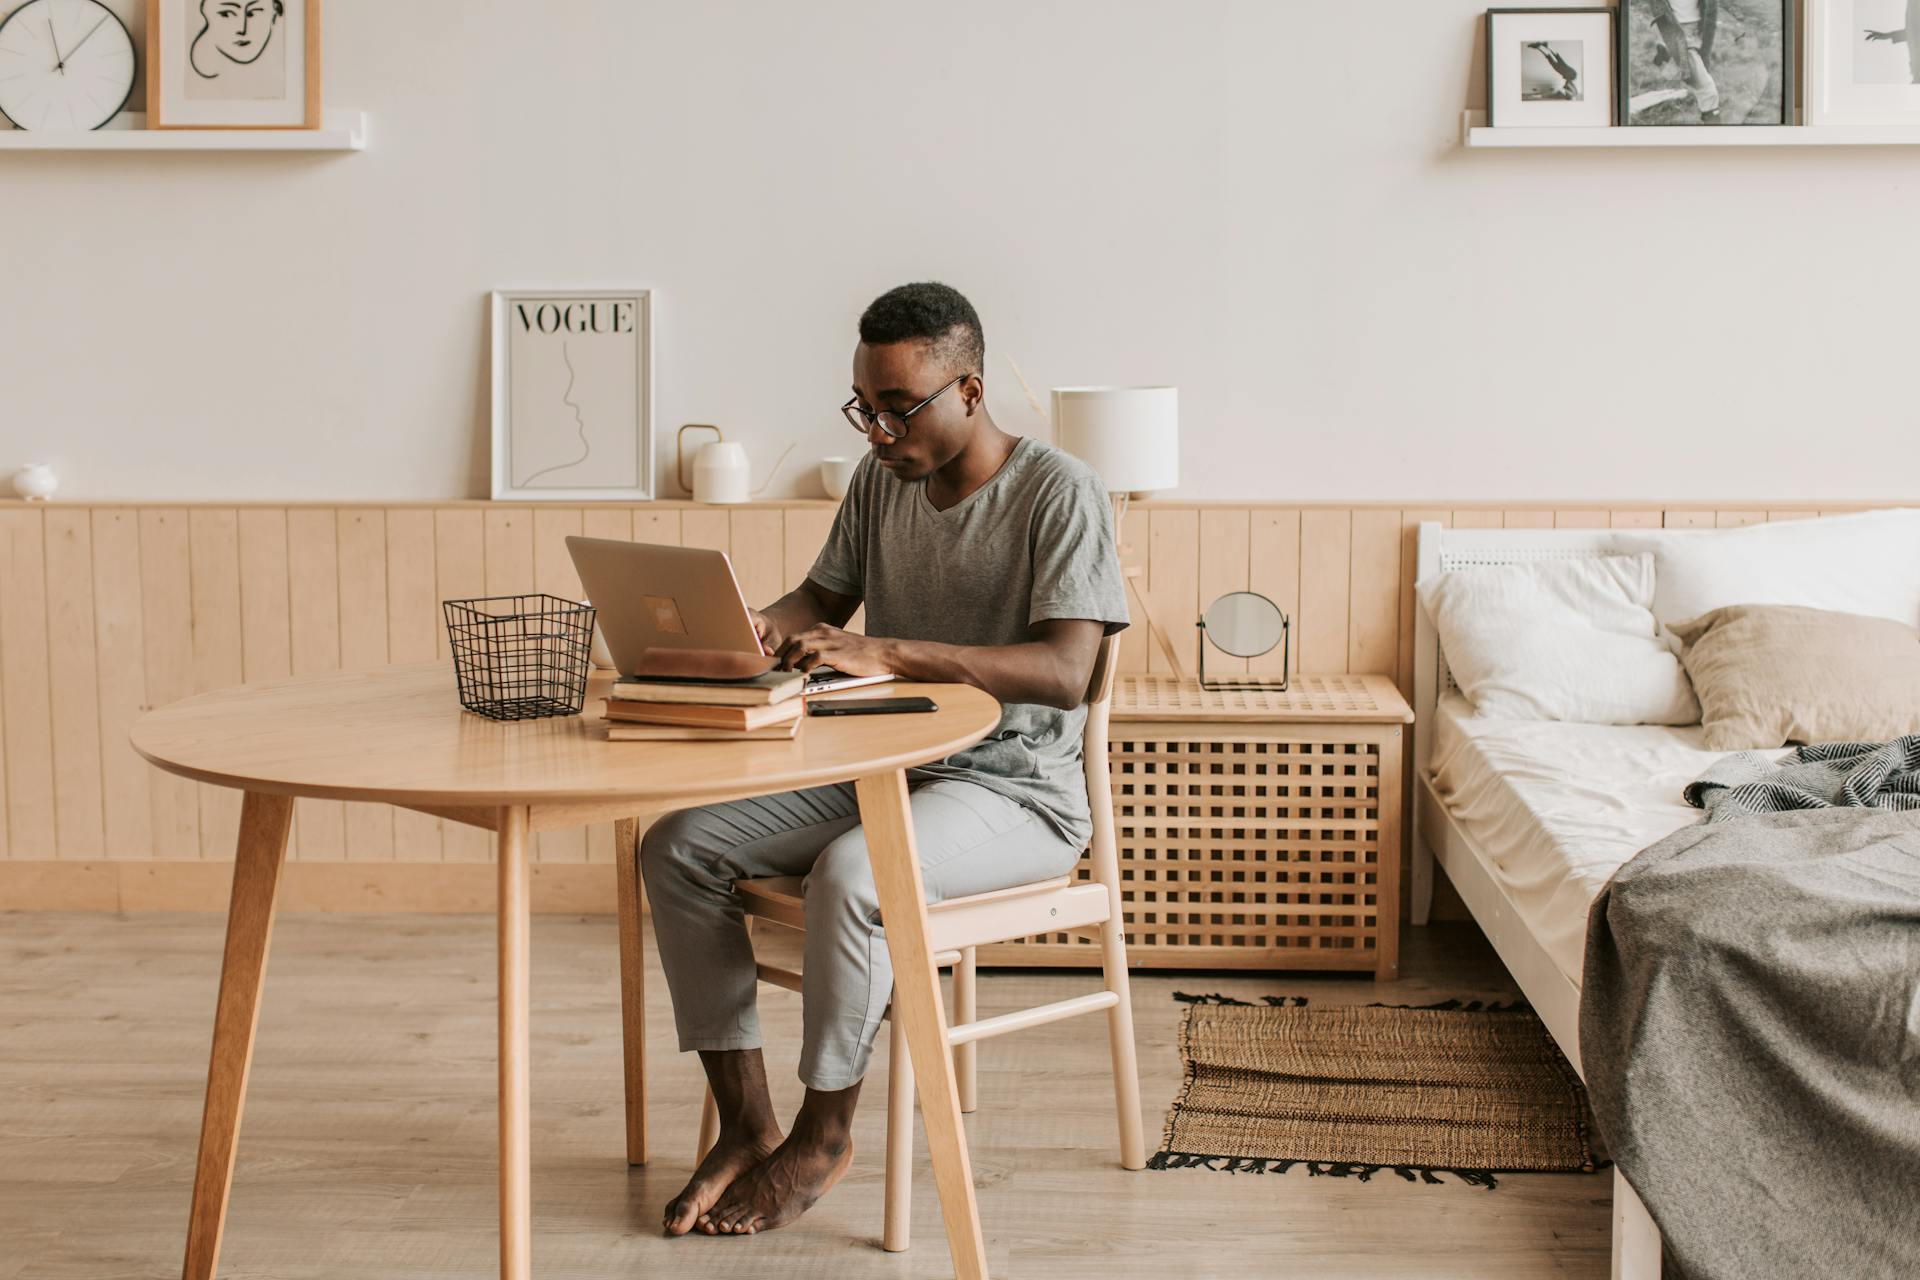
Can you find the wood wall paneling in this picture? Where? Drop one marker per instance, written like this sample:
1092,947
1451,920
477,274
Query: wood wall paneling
361,536
1226,553
313,574
553,573
166,588
1173,554
1373,605
266,621
1273,569
107,609
31,827
213,564
1326,568
414,630
119,639
73,684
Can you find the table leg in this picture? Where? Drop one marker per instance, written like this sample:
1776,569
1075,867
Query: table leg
516,922
916,1002
262,847
633,985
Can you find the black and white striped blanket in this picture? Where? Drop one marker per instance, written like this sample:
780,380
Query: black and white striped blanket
1832,775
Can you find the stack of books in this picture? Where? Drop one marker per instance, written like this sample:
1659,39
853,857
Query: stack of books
676,710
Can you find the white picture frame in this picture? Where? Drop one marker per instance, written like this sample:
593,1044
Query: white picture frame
572,389
1571,87
1852,80
233,64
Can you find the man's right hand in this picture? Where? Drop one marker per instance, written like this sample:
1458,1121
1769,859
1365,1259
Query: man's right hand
768,631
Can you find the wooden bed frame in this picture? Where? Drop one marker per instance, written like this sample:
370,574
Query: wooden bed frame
1437,837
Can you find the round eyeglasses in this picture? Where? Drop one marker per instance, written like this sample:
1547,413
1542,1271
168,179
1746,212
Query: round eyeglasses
892,425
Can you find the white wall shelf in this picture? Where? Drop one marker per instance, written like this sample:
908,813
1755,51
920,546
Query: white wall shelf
339,131
1474,133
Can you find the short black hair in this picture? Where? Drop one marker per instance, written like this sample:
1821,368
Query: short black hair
928,312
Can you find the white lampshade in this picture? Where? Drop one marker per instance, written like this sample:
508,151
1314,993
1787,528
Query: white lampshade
1130,435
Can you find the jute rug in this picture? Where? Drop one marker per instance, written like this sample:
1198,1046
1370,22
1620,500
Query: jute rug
1470,1090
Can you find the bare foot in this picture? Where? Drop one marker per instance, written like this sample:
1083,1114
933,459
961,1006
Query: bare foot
780,1188
731,1156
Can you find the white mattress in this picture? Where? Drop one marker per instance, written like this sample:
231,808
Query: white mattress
1558,807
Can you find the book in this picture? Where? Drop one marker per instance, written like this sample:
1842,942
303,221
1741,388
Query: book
623,732
626,711
754,691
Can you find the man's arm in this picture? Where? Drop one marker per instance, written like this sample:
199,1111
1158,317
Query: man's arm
1052,669
807,605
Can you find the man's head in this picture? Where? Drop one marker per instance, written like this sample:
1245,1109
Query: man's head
914,341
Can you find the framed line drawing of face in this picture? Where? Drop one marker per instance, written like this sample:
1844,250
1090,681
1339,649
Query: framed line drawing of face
233,64
573,395
1550,68
1863,62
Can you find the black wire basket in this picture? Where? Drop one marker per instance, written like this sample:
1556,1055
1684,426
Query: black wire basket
520,657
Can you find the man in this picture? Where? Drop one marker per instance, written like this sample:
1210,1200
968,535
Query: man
982,558
1686,30
1569,77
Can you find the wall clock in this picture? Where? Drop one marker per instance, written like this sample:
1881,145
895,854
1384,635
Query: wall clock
64,65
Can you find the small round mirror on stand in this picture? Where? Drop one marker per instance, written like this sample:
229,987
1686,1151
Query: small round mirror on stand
1245,624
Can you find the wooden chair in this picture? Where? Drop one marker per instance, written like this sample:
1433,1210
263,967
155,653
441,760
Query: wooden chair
960,926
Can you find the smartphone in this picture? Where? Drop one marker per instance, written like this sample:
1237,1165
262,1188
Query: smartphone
868,706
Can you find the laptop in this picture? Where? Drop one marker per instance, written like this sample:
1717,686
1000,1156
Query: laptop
650,596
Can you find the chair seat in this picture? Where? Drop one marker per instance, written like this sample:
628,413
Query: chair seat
1001,915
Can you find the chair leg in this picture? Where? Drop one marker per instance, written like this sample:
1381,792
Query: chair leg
898,1219
1126,1068
633,996
709,1126
965,1010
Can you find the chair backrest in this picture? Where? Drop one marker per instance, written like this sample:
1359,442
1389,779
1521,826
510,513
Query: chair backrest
1093,760
1100,684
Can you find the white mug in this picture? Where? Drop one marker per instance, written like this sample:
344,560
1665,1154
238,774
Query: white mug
835,474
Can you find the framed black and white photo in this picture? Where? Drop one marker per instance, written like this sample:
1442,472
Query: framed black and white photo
1550,68
1710,62
233,64
1863,62
573,395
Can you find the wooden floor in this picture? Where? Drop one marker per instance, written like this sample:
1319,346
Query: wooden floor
369,1141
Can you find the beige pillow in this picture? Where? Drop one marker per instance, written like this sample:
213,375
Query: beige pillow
1770,674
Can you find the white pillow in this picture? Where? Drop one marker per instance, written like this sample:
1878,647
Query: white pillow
1867,563
1560,640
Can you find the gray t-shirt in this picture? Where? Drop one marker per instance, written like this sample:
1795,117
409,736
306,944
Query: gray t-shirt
1033,543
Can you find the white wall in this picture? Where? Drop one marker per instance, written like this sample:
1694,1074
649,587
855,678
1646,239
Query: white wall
1263,202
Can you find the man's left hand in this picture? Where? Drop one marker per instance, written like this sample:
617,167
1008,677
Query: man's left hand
826,646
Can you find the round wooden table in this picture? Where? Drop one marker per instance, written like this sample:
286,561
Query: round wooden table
398,735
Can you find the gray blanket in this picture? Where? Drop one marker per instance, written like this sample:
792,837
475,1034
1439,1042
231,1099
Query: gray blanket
1863,775
1750,1019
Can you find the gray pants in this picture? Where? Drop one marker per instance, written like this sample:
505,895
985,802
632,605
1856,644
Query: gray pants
970,840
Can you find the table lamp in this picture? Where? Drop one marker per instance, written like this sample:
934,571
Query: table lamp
1130,436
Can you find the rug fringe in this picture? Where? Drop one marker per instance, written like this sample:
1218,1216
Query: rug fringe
1318,1168
1452,1005
1463,1006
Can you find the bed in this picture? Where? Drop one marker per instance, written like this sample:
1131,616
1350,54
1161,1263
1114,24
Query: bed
1525,842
